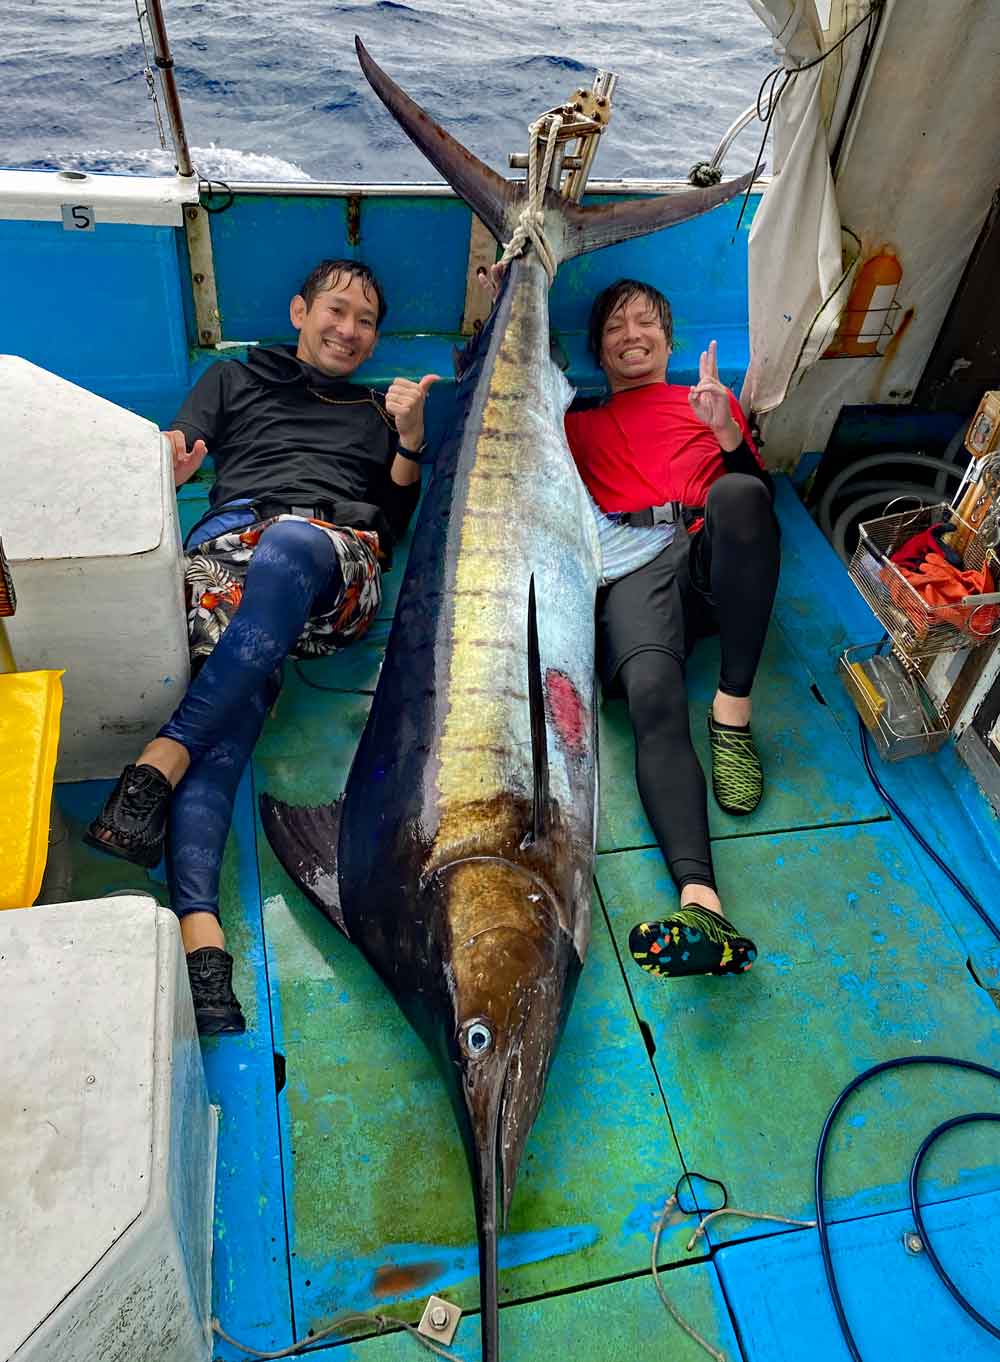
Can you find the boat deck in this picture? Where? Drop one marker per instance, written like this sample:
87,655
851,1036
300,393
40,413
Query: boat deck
342,1182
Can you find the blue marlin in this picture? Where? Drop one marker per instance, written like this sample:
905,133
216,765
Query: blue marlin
459,859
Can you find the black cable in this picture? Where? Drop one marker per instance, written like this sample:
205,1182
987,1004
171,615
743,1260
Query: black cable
773,99
774,96
821,1225
918,1218
867,48
318,685
966,893
210,192
869,14
702,1177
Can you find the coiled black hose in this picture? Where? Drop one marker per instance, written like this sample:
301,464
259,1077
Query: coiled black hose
821,1226
905,1062
918,1217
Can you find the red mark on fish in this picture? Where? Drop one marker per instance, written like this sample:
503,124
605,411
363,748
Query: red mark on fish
566,711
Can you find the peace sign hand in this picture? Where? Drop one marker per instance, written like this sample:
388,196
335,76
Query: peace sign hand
710,400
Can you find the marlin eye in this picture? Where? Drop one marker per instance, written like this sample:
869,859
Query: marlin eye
477,1039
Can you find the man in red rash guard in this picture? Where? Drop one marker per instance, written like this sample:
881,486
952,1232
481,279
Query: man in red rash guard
689,546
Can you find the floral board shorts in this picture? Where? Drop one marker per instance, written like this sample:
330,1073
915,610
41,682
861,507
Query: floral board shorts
216,569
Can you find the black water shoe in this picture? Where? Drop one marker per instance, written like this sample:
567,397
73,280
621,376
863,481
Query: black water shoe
217,1010
737,775
134,818
693,940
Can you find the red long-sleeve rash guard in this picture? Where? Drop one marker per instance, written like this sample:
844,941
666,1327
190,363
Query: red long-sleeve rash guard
645,446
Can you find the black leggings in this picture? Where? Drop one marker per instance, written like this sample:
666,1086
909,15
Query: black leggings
732,582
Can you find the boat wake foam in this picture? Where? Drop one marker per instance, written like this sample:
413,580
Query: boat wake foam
212,162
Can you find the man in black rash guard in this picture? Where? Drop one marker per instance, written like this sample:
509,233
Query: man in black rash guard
316,480
689,546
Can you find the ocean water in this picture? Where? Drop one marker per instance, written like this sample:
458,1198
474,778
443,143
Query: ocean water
274,92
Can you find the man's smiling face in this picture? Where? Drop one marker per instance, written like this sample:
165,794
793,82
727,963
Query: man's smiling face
338,331
634,348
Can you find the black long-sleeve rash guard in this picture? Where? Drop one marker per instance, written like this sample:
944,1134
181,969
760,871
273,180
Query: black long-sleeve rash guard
279,430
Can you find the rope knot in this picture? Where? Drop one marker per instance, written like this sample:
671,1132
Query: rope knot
530,227
703,174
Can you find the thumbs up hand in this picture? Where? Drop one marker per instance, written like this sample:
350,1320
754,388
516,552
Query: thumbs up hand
404,401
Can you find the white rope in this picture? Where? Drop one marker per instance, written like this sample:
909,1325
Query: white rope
531,224
746,1215
716,1354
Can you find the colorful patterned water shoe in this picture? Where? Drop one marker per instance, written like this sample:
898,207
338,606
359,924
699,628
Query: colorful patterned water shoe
737,775
691,941
134,818
217,1009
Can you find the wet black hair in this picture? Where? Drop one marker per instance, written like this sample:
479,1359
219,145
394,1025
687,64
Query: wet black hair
616,295
329,272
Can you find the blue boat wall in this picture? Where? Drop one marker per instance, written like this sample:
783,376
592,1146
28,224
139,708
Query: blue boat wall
110,304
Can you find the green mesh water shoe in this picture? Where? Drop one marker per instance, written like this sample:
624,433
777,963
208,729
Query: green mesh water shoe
737,775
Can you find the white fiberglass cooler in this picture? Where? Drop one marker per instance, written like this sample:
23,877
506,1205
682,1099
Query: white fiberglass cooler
88,519
107,1139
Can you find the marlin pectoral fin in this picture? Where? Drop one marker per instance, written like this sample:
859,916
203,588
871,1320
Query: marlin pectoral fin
304,839
488,194
539,742
605,224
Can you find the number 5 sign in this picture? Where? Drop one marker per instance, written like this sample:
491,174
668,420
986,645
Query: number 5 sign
77,217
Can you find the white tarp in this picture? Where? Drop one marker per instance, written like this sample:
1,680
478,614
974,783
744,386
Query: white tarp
798,272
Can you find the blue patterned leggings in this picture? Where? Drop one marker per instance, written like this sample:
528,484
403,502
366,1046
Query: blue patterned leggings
293,573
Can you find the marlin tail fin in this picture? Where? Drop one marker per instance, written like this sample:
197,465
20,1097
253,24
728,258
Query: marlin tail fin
605,224
488,194
498,201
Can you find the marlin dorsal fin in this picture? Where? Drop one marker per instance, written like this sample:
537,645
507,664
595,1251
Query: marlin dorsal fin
539,743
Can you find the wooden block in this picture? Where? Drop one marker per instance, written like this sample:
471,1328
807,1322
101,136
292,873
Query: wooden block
482,254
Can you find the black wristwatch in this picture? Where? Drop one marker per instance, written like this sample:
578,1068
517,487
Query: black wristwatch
413,454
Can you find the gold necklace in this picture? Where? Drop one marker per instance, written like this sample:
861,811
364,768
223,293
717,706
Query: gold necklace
356,402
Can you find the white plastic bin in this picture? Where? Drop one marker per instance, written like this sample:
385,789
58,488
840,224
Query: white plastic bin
88,518
107,1139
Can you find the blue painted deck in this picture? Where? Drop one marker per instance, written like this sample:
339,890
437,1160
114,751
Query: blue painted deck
346,1187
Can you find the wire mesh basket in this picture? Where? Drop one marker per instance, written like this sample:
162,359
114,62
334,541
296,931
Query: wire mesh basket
893,705
918,629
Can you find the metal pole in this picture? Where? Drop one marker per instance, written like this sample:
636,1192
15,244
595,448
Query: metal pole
602,90
165,62
730,135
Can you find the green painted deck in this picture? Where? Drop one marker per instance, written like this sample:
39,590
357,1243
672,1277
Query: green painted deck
346,1187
